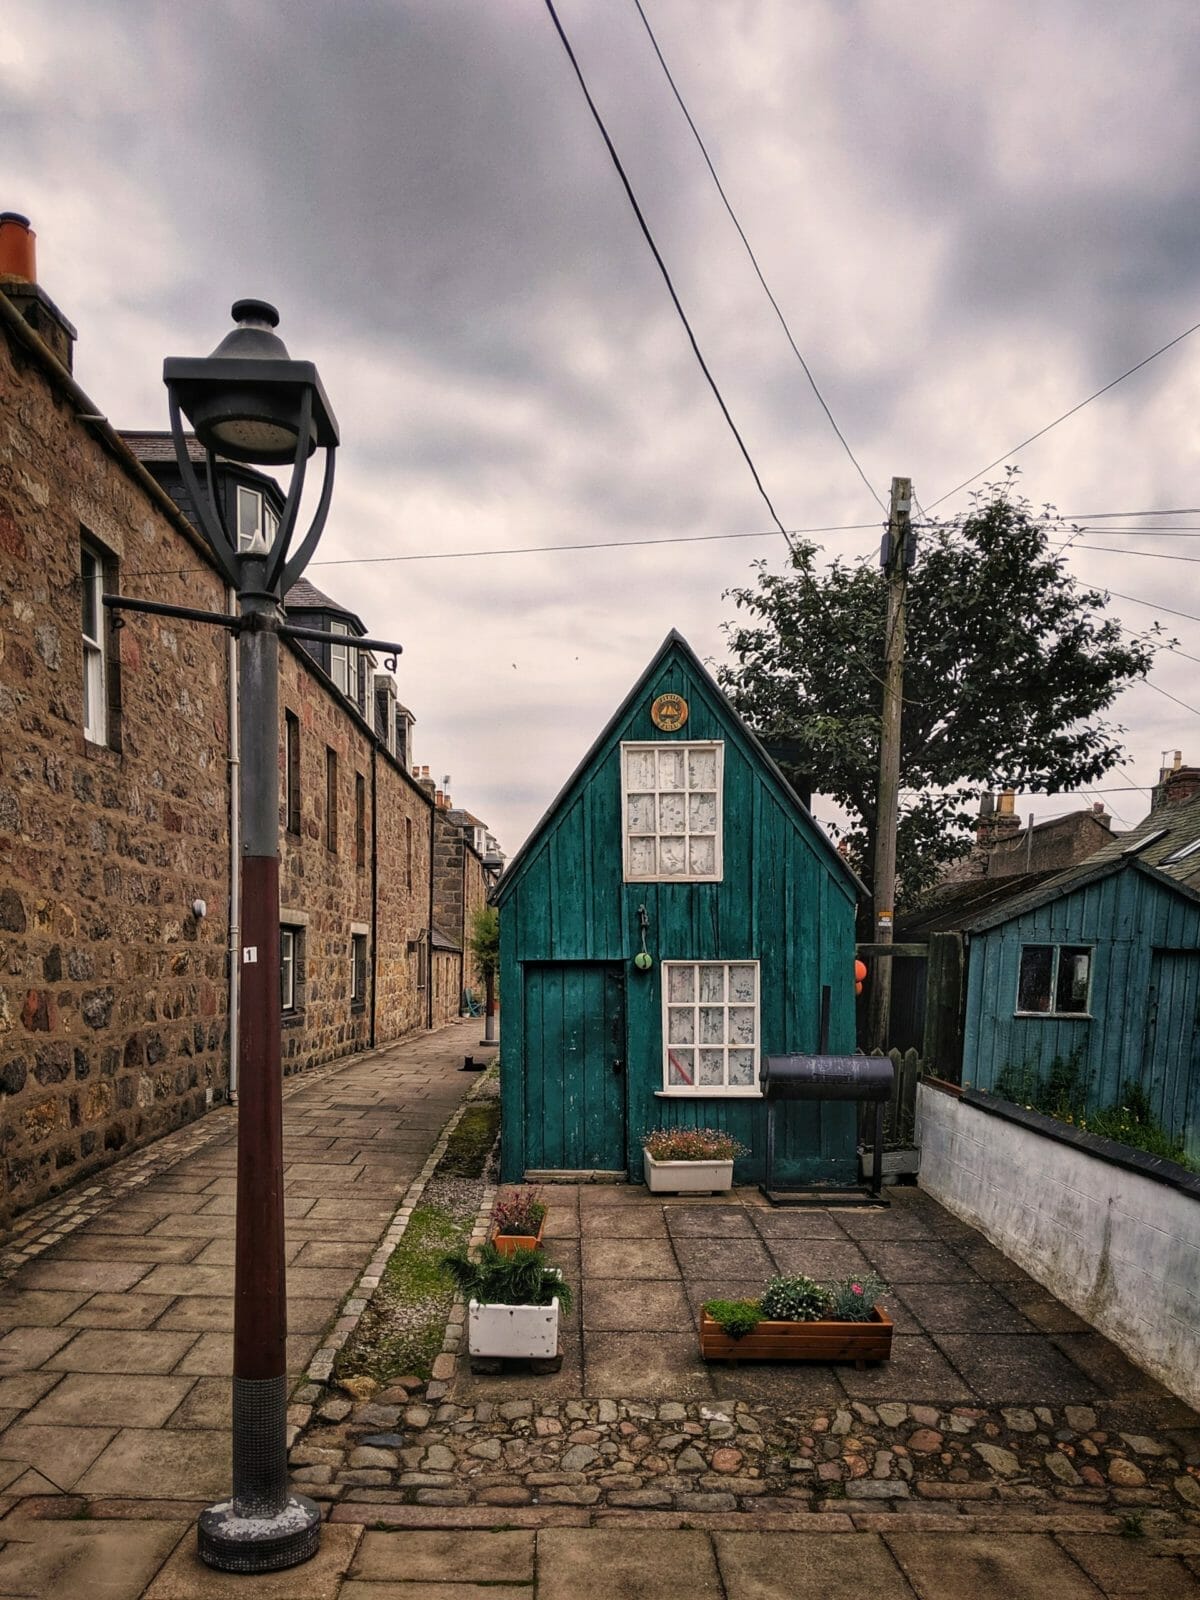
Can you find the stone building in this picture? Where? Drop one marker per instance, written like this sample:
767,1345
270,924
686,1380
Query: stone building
118,907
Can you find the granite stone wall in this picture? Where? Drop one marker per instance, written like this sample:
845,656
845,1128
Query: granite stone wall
112,992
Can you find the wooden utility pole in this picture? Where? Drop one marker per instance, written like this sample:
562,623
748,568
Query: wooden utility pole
895,557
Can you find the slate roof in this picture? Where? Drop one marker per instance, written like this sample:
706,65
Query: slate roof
1167,829
160,446
305,596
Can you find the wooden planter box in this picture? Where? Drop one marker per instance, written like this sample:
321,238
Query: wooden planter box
509,1243
859,1342
687,1177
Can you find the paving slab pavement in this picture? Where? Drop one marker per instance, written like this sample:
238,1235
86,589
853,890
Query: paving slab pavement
130,1426
116,1327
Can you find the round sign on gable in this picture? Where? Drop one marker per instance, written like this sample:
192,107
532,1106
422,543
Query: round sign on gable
669,712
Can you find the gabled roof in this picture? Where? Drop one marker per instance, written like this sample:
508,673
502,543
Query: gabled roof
305,596
1168,828
1079,877
675,642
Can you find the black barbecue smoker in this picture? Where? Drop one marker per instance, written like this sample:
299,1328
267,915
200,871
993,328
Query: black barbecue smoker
857,1078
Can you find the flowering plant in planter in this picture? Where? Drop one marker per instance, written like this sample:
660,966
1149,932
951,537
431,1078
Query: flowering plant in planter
798,1319
689,1160
517,1221
691,1144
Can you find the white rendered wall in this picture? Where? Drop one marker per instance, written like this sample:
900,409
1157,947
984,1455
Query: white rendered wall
1122,1250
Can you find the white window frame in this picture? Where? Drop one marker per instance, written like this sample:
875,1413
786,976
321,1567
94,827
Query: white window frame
358,997
339,658
265,520
287,969
633,747
95,655
1057,946
723,1091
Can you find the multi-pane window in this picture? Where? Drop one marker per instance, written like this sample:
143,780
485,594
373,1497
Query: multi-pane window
254,517
339,657
291,723
360,821
330,798
358,969
671,808
710,1027
1054,980
95,686
288,942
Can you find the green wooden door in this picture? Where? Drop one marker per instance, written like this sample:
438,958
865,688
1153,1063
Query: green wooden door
1171,1072
575,1066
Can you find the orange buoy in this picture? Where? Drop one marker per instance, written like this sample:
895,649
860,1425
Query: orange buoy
860,971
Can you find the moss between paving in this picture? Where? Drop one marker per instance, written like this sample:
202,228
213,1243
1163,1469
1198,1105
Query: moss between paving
401,1330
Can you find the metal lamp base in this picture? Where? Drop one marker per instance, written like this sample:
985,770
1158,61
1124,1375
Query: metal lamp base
233,1543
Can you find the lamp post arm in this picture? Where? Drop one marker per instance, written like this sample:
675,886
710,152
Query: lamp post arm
386,647
291,507
159,608
214,533
300,560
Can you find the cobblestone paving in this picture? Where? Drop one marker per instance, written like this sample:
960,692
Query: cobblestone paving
998,1402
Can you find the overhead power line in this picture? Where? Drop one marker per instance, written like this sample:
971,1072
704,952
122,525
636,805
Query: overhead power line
1111,550
662,267
1188,616
1145,361
1100,516
754,259
533,549
1195,710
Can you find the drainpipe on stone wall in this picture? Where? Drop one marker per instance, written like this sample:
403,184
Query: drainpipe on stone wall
429,953
374,887
235,854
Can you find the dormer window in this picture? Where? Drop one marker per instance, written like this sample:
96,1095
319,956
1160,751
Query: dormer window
254,516
339,657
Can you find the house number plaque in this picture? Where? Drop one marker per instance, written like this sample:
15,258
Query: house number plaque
669,712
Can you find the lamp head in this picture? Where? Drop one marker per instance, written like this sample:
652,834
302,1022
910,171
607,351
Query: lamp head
246,401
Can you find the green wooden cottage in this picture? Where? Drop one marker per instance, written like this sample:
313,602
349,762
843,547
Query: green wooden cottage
677,834
1100,967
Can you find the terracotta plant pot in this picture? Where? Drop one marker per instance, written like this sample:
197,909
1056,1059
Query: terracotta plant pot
509,1243
859,1342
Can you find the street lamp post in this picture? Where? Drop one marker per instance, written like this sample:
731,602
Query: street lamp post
249,402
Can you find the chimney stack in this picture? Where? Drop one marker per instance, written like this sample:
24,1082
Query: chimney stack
18,283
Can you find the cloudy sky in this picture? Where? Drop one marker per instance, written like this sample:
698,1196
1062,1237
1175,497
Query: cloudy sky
973,215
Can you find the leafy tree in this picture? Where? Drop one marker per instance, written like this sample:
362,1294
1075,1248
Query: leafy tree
1010,667
483,943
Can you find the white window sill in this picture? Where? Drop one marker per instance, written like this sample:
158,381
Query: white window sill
1054,1016
708,1094
681,877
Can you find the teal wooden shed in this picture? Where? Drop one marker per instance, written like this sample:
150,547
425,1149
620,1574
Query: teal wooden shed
1098,969
677,834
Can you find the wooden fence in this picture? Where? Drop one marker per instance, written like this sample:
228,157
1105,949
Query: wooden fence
900,1113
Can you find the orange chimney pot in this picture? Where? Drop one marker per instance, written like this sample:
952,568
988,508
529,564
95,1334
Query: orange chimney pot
18,247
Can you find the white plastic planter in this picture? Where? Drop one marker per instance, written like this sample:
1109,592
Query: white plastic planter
687,1177
530,1332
